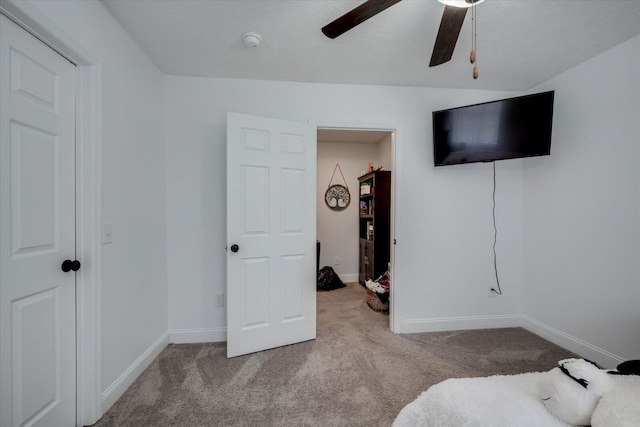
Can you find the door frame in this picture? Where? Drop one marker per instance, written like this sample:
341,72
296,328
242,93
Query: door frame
88,202
395,130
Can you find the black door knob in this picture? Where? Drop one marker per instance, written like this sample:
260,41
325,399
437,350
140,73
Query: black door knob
235,248
68,265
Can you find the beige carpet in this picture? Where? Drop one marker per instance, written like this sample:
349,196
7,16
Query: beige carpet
356,373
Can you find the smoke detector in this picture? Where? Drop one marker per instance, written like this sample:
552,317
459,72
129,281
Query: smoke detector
251,39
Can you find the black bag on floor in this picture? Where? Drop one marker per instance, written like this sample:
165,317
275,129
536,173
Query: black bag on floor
328,280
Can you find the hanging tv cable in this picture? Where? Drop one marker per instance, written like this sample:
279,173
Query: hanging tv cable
497,289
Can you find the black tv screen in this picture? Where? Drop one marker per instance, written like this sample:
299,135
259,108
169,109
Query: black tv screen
505,129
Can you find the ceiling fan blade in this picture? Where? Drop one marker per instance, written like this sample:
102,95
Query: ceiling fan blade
450,25
356,16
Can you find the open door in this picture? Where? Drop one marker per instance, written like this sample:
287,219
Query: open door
271,233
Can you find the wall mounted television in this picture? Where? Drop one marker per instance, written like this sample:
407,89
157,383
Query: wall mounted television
497,130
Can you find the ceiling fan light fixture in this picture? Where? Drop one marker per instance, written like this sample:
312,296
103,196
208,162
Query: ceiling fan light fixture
461,3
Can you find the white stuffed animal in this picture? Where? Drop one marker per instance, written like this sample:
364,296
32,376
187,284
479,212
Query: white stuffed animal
572,390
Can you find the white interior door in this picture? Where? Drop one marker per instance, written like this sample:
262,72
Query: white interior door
271,233
37,232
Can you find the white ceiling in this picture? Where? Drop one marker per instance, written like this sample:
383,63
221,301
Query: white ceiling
520,43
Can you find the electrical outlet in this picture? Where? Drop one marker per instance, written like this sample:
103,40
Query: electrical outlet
492,293
337,260
219,300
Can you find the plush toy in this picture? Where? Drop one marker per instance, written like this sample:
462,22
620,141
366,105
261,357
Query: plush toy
572,390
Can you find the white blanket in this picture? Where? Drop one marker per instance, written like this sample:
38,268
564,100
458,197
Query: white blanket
498,401
621,406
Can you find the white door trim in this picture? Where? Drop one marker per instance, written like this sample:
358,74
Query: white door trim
88,204
395,129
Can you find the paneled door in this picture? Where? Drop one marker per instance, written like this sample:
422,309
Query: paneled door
271,233
37,233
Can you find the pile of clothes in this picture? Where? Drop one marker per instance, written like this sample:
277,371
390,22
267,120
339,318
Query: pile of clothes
380,286
328,280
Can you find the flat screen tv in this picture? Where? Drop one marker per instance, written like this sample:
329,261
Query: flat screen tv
504,129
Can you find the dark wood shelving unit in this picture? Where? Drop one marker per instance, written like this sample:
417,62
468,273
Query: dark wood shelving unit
374,224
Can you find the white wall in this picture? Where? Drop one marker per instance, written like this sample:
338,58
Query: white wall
444,231
338,230
582,212
385,153
134,286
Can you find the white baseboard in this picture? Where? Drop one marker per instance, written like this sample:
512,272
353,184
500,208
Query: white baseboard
119,386
410,326
582,348
571,343
188,336
349,278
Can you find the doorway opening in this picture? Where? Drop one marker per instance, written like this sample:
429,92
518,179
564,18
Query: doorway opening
346,236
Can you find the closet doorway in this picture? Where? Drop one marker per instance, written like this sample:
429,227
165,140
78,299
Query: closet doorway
344,155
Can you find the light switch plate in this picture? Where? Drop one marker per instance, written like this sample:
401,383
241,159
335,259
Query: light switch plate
107,233
219,300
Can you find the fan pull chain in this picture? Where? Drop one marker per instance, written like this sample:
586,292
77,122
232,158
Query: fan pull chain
474,40
472,56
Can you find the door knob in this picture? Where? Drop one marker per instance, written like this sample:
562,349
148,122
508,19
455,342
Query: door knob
235,248
68,265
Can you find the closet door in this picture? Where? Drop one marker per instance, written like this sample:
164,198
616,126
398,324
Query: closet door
37,226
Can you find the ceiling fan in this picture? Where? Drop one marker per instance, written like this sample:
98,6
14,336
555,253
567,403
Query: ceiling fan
450,25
